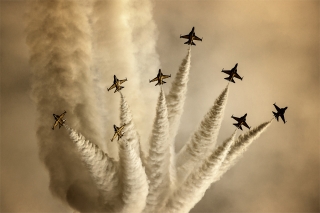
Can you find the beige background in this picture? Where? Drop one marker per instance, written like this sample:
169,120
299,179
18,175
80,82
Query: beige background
276,44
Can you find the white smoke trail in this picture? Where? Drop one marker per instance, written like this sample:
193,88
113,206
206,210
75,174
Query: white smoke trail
113,55
103,169
203,139
175,102
133,177
158,162
58,35
200,179
240,146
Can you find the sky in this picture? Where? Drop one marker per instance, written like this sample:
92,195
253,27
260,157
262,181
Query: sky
276,46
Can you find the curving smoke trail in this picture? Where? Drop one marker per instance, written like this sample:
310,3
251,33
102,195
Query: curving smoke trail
240,146
131,134
158,160
58,36
203,139
200,179
175,103
103,169
133,178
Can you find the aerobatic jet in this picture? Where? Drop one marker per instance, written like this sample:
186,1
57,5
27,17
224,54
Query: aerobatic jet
241,121
59,120
280,112
116,84
160,78
191,37
117,132
232,74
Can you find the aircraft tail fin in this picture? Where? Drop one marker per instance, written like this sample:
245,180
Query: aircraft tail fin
187,42
229,79
157,84
193,44
237,125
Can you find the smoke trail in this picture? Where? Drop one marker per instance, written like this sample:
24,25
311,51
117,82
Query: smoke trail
240,146
193,189
175,102
133,177
158,162
58,35
204,138
113,55
103,169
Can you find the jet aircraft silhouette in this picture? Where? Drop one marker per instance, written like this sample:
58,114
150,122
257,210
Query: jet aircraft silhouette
117,132
160,78
241,121
59,120
280,112
191,37
116,84
232,74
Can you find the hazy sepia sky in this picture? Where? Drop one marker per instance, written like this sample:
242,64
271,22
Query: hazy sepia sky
276,44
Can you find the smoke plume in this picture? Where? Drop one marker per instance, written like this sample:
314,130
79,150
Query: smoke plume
203,139
158,161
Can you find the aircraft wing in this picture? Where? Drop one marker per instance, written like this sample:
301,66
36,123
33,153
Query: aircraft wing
238,76
246,125
227,71
197,38
278,109
282,117
185,36
166,76
121,81
155,79
238,126
113,86
237,119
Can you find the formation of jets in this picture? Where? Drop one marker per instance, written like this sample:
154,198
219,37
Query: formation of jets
191,38
117,132
59,120
232,74
160,78
116,84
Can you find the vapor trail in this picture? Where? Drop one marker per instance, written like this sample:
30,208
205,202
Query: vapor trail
58,35
133,178
194,187
203,139
103,169
158,160
113,55
240,146
175,103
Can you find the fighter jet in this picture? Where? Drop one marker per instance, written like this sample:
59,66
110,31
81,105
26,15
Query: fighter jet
116,84
191,37
241,121
160,78
232,73
59,120
117,132
280,112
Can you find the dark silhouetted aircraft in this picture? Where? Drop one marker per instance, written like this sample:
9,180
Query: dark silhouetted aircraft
160,78
232,73
117,132
241,121
59,120
116,84
191,37
280,112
